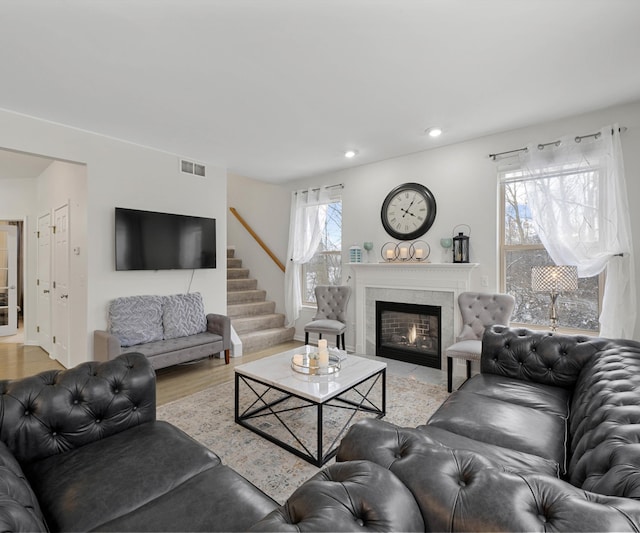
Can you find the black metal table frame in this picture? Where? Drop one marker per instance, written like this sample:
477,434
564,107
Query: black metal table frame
260,408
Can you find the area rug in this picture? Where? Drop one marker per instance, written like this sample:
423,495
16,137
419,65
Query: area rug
208,416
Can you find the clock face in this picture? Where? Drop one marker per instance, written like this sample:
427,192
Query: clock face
408,211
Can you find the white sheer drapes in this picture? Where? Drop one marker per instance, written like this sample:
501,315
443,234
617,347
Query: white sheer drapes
578,199
307,220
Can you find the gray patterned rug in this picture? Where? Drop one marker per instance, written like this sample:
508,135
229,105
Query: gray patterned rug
208,416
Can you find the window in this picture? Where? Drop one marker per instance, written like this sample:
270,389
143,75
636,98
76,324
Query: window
521,250
326,266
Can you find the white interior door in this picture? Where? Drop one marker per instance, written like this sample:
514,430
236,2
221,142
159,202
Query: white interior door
60,287
44,282
8,280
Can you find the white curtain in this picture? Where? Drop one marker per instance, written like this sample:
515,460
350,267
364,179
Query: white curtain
578,198
306,223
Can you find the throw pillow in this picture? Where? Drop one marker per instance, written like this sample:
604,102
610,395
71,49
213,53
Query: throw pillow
136,319
183,315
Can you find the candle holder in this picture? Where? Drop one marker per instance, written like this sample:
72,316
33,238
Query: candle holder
404,251
419,251
389,252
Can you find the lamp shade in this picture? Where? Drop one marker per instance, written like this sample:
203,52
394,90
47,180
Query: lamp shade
554,278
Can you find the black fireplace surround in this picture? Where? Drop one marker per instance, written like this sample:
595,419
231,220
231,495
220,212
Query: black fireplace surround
409,332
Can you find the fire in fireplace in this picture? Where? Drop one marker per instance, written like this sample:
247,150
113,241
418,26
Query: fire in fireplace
409,332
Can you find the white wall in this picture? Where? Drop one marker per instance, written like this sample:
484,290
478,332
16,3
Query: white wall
463,179
265,207
126,175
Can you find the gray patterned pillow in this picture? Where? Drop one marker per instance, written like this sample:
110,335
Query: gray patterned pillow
136,319
183,315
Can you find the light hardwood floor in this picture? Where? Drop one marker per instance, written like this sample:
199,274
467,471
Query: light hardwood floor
17,361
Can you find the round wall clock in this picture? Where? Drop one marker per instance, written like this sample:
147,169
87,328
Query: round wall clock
408,211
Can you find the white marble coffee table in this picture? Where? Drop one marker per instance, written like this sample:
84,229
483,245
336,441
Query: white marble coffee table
275,390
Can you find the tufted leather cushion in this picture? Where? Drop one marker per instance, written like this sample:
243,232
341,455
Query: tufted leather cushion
136,319
124,475
504,424
55,411
545,398
353,496
385,443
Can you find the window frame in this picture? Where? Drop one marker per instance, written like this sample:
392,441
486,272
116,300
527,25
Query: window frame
504,249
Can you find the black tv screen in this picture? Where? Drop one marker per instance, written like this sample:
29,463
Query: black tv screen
146,240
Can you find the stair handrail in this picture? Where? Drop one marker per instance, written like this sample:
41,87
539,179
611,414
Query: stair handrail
257,238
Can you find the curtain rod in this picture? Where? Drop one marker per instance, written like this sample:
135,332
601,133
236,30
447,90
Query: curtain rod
542,146
337,185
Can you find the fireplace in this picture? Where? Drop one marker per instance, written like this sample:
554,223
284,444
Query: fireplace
409,332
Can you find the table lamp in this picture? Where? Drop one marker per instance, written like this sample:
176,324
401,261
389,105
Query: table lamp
554,279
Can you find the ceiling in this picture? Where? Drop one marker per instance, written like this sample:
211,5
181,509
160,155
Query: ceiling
279,89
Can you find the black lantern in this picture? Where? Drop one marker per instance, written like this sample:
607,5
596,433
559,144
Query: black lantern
461,248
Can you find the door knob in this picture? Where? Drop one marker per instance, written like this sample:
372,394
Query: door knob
64,296
46,291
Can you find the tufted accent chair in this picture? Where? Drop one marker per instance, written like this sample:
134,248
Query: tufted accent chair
331,317
478,310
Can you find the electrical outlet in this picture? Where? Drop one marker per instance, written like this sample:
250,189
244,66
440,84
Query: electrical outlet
484,281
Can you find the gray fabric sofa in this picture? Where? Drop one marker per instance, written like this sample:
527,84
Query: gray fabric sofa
169,330
81,450
546,438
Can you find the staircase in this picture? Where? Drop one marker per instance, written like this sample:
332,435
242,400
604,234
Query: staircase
252,316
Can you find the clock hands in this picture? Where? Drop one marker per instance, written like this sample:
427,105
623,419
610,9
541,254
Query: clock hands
406,211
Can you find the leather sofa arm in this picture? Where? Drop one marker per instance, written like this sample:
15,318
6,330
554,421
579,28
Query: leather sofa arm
221,325
60,410
105,346
353,496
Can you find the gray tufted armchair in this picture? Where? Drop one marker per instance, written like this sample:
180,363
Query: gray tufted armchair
478,310
331,317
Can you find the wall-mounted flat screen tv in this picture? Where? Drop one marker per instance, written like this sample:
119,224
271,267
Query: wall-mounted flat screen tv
146,240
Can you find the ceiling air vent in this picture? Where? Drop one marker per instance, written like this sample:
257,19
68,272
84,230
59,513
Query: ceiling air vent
189,167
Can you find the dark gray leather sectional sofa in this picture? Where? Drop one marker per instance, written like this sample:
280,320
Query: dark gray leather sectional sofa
546,438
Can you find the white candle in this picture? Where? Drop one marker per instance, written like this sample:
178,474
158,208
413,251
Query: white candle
419,252
404,252
390,254
323,353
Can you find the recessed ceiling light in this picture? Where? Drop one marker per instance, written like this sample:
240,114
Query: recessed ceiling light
350,153
434,132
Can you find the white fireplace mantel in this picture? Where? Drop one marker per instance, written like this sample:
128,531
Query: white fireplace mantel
418,278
